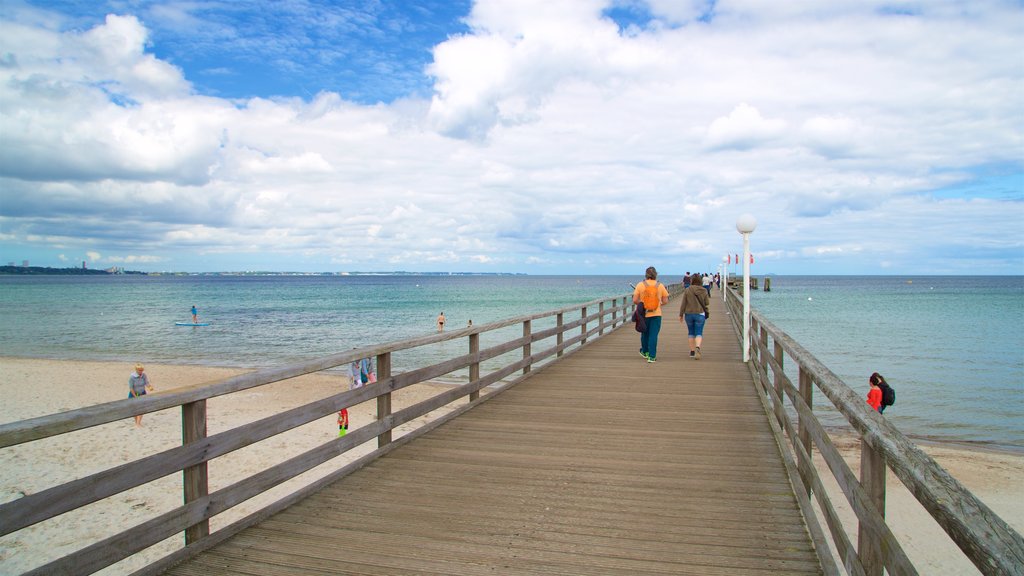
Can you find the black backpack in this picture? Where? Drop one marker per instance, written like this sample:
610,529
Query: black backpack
888,395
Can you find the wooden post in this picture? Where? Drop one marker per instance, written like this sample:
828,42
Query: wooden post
807,393
561,334
615,312
872,479
583,328
767,283
384,400
600,316
779,374
474,368
195,479
762,349
527,346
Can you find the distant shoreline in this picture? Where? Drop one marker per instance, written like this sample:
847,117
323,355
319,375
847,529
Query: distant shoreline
48,271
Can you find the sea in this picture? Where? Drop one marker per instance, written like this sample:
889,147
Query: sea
951,346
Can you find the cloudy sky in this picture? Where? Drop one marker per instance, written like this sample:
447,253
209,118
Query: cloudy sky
536,136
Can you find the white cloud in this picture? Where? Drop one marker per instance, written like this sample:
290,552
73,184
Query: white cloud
554,141
743,128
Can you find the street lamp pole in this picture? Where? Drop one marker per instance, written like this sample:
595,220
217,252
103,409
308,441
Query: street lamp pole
725,276
745,224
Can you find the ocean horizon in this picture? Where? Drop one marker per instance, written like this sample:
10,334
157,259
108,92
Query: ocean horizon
952,346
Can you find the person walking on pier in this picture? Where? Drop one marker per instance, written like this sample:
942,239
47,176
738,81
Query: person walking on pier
653,294
694,313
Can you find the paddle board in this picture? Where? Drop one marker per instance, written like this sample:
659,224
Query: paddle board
191,324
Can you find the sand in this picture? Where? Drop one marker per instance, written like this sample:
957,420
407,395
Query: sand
31,387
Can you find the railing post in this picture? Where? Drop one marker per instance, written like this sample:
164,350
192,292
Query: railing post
807,394
561,334
583,328
527,346
474,368
384,400
600,318
779,376
615,312
872,479
762,349
195,479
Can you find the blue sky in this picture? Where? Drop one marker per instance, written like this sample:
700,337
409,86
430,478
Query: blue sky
579,136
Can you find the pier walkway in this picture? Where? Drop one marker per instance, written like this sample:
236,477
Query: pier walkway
600,463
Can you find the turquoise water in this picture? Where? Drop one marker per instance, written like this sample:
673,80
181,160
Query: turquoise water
952,347
264,320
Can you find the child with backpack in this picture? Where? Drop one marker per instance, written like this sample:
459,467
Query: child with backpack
881,395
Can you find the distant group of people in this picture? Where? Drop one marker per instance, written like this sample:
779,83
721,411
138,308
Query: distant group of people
705,280
441,320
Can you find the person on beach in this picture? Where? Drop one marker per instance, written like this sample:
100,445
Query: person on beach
440,322
653,294
138,385
706,280
886,396
342,422
195,315
355,371
694,313
875,393
367,373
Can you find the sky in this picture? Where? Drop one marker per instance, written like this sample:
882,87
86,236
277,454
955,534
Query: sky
529,136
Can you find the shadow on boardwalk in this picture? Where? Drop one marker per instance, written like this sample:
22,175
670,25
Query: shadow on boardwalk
598,464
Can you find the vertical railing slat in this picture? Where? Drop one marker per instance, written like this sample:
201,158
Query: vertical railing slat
195,479
872,479
527,347
384,400
474,368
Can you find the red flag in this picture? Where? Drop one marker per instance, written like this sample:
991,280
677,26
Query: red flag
737,258
751,258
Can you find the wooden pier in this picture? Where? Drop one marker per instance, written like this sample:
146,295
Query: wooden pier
599,464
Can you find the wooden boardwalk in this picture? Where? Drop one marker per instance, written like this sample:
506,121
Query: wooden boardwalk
598,464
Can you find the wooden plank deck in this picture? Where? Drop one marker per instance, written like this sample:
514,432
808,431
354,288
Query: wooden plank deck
598,464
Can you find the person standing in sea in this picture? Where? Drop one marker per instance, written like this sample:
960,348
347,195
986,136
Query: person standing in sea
440,322
693,312
138,385
653,294
195,315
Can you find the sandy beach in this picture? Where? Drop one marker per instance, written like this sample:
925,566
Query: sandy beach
31,387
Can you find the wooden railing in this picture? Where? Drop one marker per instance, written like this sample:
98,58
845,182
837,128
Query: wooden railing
989,542
563,331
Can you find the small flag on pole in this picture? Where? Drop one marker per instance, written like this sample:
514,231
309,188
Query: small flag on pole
737,258
751,258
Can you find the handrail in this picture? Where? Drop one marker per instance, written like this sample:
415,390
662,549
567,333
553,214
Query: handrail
986,539
197,448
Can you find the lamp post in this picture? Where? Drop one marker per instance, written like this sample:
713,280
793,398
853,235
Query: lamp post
745,224
725,276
